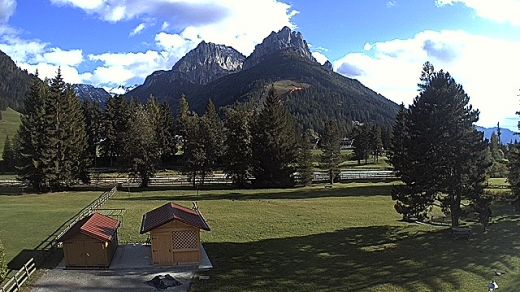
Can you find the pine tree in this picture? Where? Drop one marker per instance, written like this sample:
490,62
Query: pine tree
31,136
194,148
274,144
305,159
140,148
331,156
52,137
212,134
361,143
238,152
115,124
8,155
93,115
163,125
442,155
514,171
376,142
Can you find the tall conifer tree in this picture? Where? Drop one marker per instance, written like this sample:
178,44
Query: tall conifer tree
274,144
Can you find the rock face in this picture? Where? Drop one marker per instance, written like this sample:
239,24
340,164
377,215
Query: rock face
285,39
207,62
328,65
87,92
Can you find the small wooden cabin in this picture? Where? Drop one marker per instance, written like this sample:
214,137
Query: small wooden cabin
91,242
175,234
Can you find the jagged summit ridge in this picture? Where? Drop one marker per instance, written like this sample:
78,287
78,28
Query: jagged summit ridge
207,62
285,39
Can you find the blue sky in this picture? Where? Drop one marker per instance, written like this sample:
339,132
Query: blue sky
380,42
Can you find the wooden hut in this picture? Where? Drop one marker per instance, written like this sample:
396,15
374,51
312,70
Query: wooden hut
175,234
91,242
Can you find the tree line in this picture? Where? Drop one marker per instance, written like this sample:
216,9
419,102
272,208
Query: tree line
60,139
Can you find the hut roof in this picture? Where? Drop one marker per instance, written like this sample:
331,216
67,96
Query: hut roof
96,225
170,212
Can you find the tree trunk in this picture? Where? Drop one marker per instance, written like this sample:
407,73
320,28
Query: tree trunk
455,210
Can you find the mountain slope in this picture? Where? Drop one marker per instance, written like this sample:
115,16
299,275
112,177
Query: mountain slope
14,83
312,92
507,136
205,63
322,95
87,92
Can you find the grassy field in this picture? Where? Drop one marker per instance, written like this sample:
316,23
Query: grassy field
8,126
26,220
348,238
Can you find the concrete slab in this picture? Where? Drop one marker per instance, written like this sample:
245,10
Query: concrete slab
131,268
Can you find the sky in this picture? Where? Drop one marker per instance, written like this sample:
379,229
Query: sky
382,43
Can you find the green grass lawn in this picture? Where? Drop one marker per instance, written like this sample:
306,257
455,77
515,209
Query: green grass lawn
26,220
348,238
8,126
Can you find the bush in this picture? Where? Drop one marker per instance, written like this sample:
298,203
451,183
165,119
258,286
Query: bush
3,266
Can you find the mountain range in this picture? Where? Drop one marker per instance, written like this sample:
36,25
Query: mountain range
314,93
506,136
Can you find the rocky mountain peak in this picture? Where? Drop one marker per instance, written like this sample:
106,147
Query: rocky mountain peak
285,39
328,65
207,62
87,92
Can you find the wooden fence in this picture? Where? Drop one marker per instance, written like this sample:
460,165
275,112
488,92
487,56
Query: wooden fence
50,244
16,282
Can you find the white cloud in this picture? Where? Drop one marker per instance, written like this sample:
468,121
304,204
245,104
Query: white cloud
237,23
33,55
165,25
125,68
497,10
7,9
138,29
391,3
321,58
59,57
486,67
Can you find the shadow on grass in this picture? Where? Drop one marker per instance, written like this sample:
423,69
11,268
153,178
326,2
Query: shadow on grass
359,259
261,194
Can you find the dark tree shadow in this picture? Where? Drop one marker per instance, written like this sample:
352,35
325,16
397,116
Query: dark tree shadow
296,193
358,259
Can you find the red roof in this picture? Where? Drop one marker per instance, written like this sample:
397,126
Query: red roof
170,212
96,225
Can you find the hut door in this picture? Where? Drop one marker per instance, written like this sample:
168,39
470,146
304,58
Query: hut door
162,249
94,254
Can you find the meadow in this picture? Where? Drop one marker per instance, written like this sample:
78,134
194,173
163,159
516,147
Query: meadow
348,238
8,126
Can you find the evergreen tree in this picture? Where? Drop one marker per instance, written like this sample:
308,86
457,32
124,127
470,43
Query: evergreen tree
440,155
274,144
305,159
194,148
140,148
164,126
93,118
52,138
115,124
212,132
32,138
238,152
8,155
376,142
361,135
514,171
331,156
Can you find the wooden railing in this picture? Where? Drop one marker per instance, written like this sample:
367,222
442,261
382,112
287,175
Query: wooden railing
15,283
49,245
